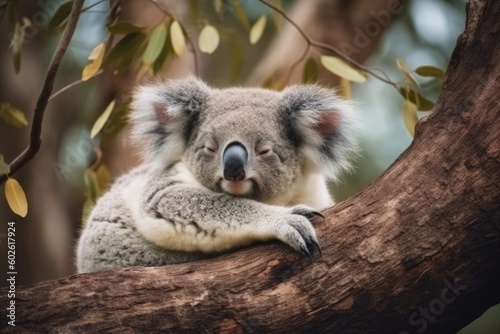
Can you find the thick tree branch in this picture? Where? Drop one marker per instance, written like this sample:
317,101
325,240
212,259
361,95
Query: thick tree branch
43,98
416,251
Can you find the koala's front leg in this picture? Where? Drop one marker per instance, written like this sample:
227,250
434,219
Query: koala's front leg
183,218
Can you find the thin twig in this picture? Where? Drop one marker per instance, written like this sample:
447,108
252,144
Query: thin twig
323,46
77,82
43,98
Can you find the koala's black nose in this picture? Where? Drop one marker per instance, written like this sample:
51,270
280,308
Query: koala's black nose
235,161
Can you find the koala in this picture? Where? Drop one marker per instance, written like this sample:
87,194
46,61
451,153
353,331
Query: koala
223,169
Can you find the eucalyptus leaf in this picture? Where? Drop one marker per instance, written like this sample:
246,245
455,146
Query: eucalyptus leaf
155,45
177,38
258,29
342,69
16,45
416,98
96,57
12,116
430,71
4,167
123,53
406,72
123,28
410,117
58,20
16,198
209,39
102,119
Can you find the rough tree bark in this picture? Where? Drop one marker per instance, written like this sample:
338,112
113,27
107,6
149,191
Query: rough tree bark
417,249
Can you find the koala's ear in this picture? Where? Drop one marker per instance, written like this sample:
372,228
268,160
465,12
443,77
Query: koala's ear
321,125
164,116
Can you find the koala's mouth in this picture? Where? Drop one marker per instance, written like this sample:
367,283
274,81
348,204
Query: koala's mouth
237,188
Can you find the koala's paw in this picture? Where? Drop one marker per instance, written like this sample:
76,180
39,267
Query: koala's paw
295,229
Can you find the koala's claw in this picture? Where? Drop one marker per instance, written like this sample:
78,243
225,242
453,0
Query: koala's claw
315,245
305,251
297,231
306,212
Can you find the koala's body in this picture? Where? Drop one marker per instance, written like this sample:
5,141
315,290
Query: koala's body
223,168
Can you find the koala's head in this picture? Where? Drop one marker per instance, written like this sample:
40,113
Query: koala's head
247,142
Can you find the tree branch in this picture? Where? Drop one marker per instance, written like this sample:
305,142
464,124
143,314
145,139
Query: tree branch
43,98
310,42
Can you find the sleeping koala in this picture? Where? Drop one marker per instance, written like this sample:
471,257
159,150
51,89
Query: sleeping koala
223,168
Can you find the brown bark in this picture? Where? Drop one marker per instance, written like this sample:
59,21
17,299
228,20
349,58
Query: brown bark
418,247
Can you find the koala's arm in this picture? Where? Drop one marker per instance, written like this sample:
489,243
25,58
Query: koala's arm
178,214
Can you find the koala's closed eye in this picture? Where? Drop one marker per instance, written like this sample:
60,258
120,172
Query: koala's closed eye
210,148
264,151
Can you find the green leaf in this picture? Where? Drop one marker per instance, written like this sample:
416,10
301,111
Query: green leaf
102,174
123,28
92,189
12,10
165,52
410,117
208,39
218,6
177,38
430,71
58,21
310,73
4,168
116,122
342,69
277,18
155,44
258,29
17,43
123,53
16,197
416,98
12,115
406,72
241,14
102,119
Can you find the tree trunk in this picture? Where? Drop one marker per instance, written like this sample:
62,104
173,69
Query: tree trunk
417,250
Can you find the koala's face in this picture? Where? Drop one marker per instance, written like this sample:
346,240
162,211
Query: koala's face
241,148
246,142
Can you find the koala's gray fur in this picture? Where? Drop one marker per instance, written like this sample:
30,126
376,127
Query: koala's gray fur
178,206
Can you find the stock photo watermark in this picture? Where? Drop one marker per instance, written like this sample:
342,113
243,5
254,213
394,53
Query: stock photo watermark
11,273
420,319
39,20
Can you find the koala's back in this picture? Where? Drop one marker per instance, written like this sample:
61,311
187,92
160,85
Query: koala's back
111,240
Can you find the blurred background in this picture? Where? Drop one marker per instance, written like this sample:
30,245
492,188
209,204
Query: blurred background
372,32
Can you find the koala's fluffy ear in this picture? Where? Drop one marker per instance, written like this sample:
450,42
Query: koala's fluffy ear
163,117
321,125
